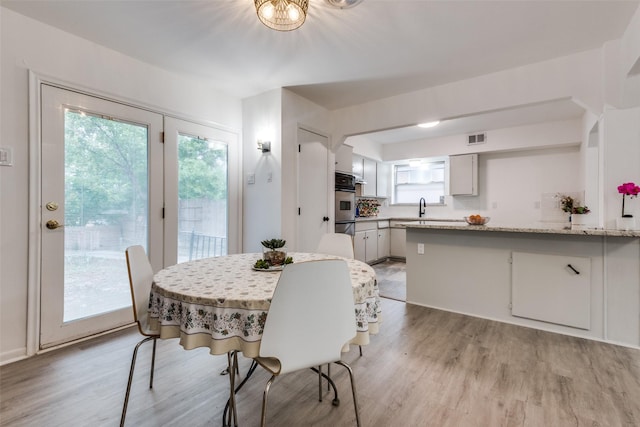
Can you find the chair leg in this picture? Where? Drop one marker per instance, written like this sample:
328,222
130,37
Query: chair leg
133,365
153,362
319,383
263,420
353,391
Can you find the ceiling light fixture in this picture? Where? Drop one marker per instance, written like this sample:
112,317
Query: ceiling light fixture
343,4
429,124
282,15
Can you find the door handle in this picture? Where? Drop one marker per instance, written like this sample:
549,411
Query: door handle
52,224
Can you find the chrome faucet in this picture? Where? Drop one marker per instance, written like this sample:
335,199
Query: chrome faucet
422,206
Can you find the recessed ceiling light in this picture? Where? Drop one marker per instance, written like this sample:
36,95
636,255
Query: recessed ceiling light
429,124
343,4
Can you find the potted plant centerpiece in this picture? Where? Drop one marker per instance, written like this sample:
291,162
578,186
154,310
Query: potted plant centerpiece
274,251
575,210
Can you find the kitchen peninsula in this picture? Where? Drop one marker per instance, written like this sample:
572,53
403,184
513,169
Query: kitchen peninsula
577,282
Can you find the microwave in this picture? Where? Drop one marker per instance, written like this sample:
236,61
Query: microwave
345,182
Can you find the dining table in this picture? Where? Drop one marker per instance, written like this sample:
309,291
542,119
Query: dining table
222,303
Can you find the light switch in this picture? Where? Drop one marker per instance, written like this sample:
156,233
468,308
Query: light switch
420,248
6,157
270,177
251,178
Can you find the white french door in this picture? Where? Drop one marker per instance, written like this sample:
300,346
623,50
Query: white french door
101,191
202,196
107,182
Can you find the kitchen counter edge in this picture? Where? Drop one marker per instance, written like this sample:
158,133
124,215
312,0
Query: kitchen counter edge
516,229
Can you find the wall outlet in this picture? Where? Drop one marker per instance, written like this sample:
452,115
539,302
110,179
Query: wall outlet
420,248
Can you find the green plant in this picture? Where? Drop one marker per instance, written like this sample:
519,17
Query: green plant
273,244
572,206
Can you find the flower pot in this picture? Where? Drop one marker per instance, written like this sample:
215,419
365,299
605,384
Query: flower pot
274,256
578,221
625,223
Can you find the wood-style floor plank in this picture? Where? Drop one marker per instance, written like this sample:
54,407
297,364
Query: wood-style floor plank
425,368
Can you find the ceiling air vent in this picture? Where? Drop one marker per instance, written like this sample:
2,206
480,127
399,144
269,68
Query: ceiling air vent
477,138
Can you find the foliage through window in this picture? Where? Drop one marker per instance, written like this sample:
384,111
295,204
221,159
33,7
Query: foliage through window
413,181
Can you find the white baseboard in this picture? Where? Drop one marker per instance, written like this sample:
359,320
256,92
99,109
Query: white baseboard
13,356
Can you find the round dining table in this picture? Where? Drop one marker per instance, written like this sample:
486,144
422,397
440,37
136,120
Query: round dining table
222,302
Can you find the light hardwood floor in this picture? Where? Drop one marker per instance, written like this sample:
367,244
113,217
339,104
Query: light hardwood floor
425,368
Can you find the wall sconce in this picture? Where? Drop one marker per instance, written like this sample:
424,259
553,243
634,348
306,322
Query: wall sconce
264,146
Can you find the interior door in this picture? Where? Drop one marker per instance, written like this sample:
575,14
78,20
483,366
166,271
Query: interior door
100,191
202,195
313,188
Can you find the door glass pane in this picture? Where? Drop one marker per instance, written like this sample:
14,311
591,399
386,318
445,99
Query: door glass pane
106,210
202,198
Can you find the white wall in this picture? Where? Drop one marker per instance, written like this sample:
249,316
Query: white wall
262,201
511,184
577,76
25,45
270,208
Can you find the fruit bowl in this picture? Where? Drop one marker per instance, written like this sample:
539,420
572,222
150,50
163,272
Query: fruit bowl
476,220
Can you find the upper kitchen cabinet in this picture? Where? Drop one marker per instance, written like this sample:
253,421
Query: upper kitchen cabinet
382,184
365,171
463,175
344,159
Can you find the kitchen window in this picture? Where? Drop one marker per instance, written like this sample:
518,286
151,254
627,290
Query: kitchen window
418,179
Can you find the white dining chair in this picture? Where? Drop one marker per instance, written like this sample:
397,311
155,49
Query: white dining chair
140,279
339,244
310,319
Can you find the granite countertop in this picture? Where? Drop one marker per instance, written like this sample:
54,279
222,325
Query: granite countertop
539,228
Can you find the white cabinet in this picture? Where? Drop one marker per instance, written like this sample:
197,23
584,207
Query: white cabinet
398,242
383,242
365,245
371,240
382,182
344,159
365,170
552,288
463,175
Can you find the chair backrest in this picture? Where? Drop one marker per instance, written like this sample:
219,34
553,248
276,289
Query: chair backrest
140,279
312,315
339,244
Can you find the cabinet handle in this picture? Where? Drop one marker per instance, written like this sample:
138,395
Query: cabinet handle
574,270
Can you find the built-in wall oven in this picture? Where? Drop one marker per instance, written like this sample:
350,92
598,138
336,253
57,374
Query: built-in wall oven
345,218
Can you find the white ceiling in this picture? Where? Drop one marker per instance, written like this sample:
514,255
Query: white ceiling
339,57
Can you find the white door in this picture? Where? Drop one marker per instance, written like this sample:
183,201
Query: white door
100,191
313,190
202,213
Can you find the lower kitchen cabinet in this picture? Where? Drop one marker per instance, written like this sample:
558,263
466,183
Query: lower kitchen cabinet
365,245
383,243
398,242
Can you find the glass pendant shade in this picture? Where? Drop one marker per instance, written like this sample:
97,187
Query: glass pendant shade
282,15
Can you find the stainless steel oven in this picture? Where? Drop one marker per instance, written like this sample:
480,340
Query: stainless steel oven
345,199
345,206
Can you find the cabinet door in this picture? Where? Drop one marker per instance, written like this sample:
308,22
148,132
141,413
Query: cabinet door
357,165
383,243
344,159
552,288
359,245
369,174
398,242
383,175
463,175
371,243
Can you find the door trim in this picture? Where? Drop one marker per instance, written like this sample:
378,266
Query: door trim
35,80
